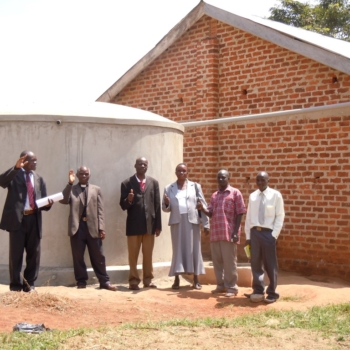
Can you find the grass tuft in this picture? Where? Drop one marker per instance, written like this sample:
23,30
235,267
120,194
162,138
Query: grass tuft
294,298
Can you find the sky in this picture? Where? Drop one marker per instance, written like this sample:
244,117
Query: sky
71,51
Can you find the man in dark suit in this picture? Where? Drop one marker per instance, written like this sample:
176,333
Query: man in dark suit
22,218
140,197
86,227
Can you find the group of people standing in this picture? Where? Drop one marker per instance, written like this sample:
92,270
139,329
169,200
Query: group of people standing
264,220
140,197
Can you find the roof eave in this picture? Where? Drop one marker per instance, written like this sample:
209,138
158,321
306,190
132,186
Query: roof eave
284,40
163,44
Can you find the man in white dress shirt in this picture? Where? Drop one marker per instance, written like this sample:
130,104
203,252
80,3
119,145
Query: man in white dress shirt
263,224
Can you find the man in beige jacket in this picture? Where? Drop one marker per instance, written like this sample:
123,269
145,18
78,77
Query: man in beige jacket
86,227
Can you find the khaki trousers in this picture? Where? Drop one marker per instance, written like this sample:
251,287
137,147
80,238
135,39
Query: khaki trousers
134,245
224,257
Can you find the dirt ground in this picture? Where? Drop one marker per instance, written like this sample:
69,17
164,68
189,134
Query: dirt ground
67,307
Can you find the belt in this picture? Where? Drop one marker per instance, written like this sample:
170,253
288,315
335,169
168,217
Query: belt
258,228
29,212
84,218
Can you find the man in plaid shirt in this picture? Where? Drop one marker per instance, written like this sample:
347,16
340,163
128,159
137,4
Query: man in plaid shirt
226,209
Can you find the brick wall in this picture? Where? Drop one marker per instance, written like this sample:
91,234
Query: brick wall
255,76
217,71
308,162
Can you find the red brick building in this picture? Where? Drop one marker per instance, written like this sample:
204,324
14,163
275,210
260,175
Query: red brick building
259,95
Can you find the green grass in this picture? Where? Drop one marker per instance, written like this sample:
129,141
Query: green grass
43,341
329,321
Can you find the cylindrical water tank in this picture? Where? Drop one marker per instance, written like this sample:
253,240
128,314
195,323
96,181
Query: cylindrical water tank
105,137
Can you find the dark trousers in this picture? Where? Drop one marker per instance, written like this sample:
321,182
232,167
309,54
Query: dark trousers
98,262
25,239
264,259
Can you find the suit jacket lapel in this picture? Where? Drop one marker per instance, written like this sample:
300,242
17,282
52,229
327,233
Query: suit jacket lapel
135,184
147,183
89,189
37,188
22,177
190,187
174,188
78,192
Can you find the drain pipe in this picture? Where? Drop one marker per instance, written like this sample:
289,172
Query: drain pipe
241,118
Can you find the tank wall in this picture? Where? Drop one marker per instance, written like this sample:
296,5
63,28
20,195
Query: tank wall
110,151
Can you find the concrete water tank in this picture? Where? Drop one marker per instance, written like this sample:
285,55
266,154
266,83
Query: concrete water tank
105,137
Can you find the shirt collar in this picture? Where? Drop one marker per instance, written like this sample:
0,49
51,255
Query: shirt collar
29,172
143,181
228,188
265,191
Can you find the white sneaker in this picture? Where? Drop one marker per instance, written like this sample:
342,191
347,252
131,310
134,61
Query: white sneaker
256,298
231,294
269,300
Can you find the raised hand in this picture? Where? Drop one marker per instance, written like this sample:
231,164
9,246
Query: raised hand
20,162
71,176
131,196
166,199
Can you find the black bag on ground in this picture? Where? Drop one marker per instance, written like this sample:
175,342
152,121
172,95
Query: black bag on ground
30,328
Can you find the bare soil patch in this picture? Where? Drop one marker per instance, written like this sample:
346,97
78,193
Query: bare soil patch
67,307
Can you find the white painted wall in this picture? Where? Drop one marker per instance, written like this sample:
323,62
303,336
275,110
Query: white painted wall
108,139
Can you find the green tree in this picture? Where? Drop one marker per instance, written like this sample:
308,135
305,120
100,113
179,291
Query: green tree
328,17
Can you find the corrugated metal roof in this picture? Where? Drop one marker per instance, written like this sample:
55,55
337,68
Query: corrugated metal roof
326,50
340,47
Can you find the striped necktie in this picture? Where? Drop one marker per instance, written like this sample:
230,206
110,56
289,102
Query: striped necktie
30,191
142,186
262,209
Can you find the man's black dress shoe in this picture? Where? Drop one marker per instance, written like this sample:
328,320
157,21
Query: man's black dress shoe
108,286
29,289
81,286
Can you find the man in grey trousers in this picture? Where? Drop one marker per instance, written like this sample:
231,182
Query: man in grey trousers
263,224
225,209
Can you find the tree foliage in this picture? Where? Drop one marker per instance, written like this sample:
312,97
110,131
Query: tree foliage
328,17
